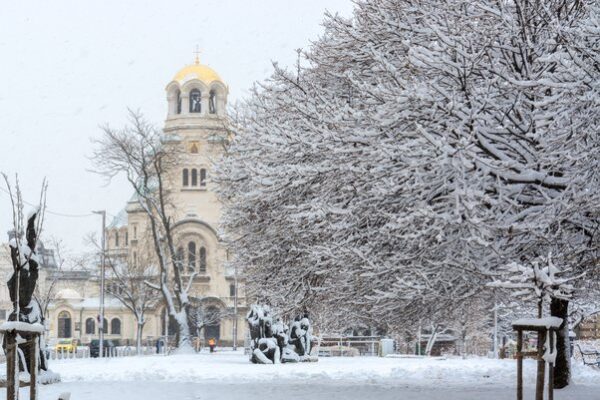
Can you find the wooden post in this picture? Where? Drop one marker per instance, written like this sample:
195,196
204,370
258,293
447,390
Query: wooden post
519,365
541,366
33,356
12,389
551,367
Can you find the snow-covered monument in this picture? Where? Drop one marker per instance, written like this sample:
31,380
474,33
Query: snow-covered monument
274,342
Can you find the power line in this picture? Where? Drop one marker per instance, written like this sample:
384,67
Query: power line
58,214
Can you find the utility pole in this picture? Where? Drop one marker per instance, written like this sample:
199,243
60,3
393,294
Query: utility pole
495,330
102,267
235,308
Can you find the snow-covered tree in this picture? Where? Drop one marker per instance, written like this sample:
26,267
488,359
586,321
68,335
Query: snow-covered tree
415,149
128,282
138,151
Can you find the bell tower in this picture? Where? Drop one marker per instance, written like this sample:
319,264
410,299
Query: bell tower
197,97
196,128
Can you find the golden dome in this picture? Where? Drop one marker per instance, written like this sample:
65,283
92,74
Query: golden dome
197,71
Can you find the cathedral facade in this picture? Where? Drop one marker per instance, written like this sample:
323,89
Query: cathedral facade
196,129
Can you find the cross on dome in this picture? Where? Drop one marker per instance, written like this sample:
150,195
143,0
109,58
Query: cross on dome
197,53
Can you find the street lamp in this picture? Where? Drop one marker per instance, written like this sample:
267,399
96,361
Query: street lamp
102,256
235,307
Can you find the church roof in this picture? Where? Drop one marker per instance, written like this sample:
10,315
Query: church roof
119,220
197,71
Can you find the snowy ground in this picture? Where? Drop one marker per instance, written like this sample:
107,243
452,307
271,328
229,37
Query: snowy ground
231,376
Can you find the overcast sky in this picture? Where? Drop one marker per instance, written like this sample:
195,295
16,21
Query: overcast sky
68,66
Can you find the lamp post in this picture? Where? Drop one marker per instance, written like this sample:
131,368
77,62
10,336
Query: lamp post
235,308
102,262
496,330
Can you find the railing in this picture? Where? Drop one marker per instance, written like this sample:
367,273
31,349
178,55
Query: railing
84,352
349,346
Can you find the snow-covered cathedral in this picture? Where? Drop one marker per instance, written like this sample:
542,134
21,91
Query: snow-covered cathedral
195,128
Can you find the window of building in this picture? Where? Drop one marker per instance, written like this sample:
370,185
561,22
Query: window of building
135,232
212,98
194,148
126,238
195,101
178,102
232,290
64,324
194,177
191,256
186,177
135,259
179,258
90,326
105,326
202,177
115,326
202,259
116,239
167,322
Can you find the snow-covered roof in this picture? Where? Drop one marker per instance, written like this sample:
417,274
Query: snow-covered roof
93,303
68,294
119,221
548,322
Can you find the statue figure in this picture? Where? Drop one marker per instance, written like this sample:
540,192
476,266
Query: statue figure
275,342
264,347
300,335
23,280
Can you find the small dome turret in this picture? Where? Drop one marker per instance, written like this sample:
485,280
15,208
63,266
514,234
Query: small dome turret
196,91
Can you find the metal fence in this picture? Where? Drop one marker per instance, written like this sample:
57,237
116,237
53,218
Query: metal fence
84,352
348,346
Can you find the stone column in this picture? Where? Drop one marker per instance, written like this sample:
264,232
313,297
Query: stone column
185,103
205,94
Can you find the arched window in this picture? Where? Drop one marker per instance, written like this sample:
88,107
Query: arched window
105,326
90,326
167,320
194,177
202,259
213,324
179,258
191,256
202,177
116,239
195,101
194,148
212,100
115,326
178,102
232,290
64,325
186,177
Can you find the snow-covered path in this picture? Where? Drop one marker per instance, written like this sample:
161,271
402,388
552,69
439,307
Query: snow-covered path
231,376
291,390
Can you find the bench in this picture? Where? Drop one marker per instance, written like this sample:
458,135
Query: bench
589,356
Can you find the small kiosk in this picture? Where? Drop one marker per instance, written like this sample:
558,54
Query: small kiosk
546,329
22,340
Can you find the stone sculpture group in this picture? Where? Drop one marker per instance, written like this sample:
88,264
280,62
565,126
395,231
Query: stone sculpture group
274,342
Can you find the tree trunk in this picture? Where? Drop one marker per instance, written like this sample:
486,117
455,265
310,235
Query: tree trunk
431,341
562,367
138,338
184,344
